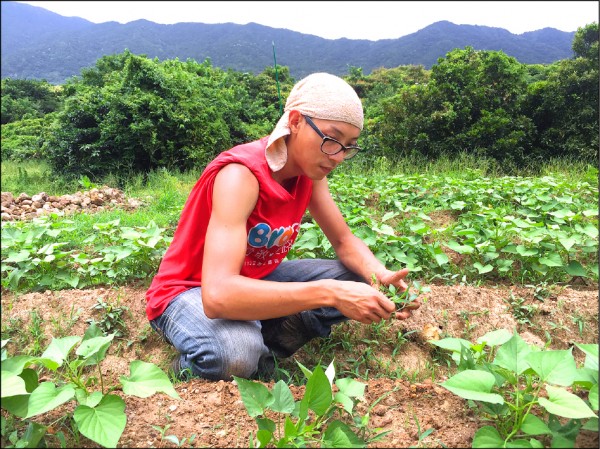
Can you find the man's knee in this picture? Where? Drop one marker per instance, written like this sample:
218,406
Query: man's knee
225,359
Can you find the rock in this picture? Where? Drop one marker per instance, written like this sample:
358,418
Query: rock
430,331
7,198
25,207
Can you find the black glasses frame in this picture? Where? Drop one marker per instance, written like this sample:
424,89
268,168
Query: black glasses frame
349,151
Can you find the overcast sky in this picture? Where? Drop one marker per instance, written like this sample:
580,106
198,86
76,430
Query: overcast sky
371,20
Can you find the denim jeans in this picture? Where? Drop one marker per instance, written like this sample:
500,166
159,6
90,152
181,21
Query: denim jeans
218,349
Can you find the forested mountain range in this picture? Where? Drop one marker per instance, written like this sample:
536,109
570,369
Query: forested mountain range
39,44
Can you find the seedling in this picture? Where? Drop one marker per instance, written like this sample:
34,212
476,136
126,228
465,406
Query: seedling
98,414
524,390
400,298
111,320
312,420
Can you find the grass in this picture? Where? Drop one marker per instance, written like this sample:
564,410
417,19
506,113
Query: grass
465,163
33,176
169,189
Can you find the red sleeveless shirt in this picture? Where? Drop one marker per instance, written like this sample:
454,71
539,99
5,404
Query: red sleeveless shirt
271,228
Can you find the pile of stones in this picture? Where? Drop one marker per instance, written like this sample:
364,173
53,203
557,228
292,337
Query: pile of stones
25,207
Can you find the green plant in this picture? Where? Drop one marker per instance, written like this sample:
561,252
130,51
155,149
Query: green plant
469,327
36,332
524,390
400,298
85,183
98,415
540,292
111,320
579,321
63,323
173,438
522,312
315,419
421,435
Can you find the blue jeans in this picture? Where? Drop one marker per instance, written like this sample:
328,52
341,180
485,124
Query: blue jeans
218,349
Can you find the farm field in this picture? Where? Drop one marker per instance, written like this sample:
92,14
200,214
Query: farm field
518,254
215,413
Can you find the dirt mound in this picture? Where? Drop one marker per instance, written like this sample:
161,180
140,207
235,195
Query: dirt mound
407,405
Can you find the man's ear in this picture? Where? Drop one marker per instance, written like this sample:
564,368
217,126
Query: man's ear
294,120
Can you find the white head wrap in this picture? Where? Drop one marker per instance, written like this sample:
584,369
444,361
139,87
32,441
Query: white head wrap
322,96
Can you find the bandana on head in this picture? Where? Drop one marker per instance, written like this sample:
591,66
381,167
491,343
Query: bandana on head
322,96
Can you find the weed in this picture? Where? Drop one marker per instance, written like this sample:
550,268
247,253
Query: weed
522,312
579,321
421,435
12,329
541,291
36,332
400,298
173,438
469,327
111,320
63,323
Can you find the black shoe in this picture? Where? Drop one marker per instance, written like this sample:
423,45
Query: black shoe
178,372
284,336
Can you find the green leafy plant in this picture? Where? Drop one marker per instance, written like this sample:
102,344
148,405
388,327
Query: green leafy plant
98,415
400,298
522,312
111,320
420,434
315,419
524,390
173,438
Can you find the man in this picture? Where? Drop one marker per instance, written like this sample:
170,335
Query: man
224,296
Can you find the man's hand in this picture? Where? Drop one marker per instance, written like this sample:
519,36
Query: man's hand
397,279
361,302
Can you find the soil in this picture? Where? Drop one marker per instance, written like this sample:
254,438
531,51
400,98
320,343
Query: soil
407,404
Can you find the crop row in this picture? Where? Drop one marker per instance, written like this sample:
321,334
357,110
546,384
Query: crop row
468,228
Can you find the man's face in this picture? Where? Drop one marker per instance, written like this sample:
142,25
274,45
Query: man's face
326,144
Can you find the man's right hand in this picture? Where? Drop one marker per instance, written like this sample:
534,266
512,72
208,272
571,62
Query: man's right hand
359,301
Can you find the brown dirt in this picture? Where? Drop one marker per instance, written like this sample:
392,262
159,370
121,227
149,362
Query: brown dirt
214,412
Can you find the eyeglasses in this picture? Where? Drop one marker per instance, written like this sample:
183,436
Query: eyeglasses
330,146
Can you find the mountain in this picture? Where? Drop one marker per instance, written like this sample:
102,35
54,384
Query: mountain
39,44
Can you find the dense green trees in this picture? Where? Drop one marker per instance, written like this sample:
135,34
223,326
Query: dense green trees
130,113
471,103
26,99
564,105
133,114
488,104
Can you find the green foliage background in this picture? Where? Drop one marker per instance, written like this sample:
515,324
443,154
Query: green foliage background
130,114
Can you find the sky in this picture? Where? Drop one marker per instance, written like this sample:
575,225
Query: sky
372,20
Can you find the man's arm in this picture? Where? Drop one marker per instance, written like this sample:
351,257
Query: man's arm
351,250
227,294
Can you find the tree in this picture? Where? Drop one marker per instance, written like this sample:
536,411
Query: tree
470,104
133,114
28,99
564,105
585,42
